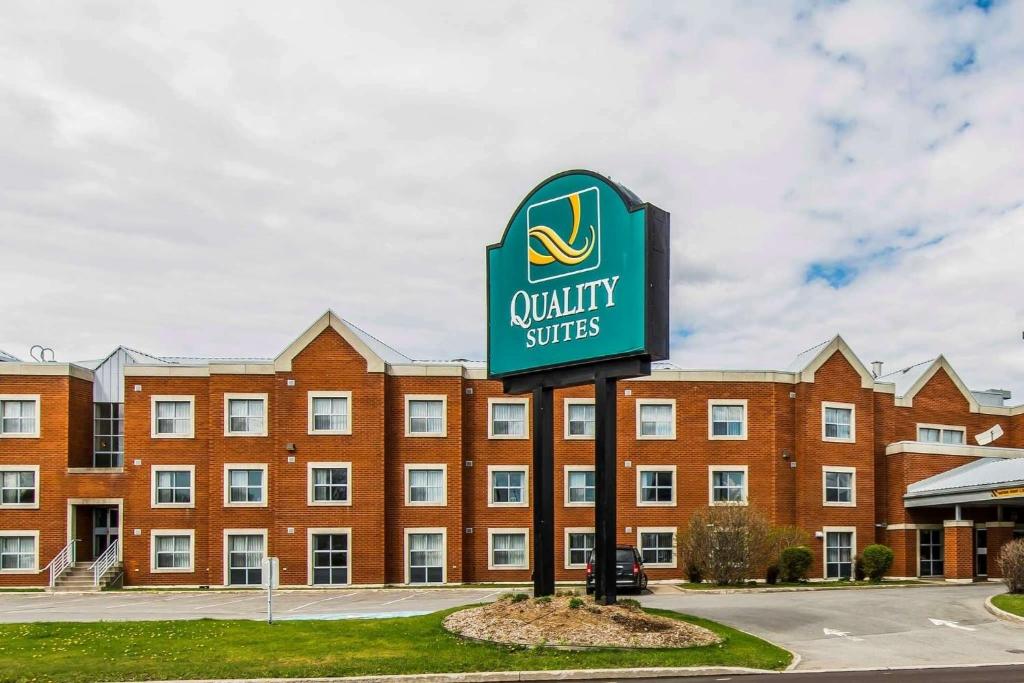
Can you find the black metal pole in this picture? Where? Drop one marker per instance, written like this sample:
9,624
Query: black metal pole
605,522
543,491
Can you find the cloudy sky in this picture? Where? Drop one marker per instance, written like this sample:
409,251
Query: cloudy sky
207,178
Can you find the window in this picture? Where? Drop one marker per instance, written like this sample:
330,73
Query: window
425,555
579,543
172,550
727,419
108,435
837,422
839,486
657,546
425,415
245,415
245,485
655,418
507,419
579,418
330,483
580,485
172,417
931,552
425,484
728,484
941,434
507,548
245,553
508,485
838,553
329,553
19,416
18,551
19,486
173,485
656,485
330,412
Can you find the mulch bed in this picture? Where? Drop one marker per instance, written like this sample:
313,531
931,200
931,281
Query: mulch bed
554,623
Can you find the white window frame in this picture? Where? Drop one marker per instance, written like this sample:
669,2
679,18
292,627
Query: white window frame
491,469
640,531
246,397
825,530
32,534
443,398
566,470
526,549
444,484
567,564
38,418
228,466
163,398
191,469
310,395
154,569
565,409
640,402
243,532
493,401
917,535
319,531
640,469
444,552
942,428
742,402
22,468
728,468
852,407
311,500
852,471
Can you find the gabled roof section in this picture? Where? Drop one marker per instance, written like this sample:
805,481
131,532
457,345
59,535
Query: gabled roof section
366,346
820,354
940,363
905,378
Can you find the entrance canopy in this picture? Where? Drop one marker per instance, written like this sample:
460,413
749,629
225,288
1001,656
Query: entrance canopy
986,481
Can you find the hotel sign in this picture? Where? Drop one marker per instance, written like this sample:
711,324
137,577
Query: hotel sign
580,277
1009,492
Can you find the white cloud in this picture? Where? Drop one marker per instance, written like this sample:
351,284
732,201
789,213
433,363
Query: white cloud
206,179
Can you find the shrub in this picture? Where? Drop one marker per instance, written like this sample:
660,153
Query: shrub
629,603
693,574
771,576
519,597
858,568
543,600
575,603
876,559
727,544
1011,562
794,563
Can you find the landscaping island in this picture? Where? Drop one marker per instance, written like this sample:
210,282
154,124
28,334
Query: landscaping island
162,650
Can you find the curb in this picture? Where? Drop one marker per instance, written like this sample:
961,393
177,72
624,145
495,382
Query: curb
1001,613
508,676
805,589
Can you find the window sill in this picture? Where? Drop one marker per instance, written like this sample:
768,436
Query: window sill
245,505
172,436
172,506
648,437
329,432
329,504
509,505
411,504
656,505
579,438
578,505
19,506
838,505
245,434
727,438
165,570
504,568
833,439
726,503
96,470
18,435
499,437
426,435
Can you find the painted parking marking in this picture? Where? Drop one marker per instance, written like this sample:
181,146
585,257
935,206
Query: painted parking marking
842,634
950,624
229,602
317,602
411,595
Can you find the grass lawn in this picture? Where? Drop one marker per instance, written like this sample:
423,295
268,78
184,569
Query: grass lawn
104,651
1010,602
808,584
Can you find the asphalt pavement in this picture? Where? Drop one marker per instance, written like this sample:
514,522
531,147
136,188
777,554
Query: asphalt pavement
986,674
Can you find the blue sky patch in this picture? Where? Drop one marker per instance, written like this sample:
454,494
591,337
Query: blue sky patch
964,60
836,274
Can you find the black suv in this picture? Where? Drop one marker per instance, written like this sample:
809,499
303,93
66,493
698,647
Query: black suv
629,568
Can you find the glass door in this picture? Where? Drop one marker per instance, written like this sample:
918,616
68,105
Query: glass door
931,553
105,529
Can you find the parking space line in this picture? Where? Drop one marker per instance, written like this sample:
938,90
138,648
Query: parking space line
229,602
317,602
411,595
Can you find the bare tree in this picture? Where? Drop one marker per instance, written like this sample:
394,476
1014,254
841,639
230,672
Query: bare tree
730,544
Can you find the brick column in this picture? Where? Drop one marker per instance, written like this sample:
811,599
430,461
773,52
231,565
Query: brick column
999,534
958,550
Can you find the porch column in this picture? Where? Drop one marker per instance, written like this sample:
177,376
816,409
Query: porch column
958,550
999,534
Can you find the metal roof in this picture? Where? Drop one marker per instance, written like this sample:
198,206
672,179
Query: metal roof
981,474
905,378
8,358
804,358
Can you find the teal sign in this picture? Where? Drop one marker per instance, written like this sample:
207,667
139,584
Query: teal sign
580,276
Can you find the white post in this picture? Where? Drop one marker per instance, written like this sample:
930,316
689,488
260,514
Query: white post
269,568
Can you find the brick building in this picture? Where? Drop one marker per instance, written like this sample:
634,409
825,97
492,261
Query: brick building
355,464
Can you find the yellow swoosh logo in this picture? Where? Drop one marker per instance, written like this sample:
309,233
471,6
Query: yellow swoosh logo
558,249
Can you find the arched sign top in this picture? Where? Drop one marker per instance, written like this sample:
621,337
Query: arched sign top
580,277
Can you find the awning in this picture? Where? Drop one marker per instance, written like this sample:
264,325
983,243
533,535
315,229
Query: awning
987,481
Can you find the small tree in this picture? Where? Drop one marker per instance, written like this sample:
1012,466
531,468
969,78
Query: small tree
877,559
783,537
794,563
1011,562
727,544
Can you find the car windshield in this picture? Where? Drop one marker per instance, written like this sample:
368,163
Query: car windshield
624,555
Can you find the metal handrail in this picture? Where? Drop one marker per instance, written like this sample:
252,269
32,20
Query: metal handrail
64,558
104,562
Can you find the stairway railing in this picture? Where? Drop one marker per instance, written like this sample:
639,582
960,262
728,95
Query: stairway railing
104,562
64,558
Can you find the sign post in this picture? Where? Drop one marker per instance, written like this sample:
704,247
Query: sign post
269,570
577,293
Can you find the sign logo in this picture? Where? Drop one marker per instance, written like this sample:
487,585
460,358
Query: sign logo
563,236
